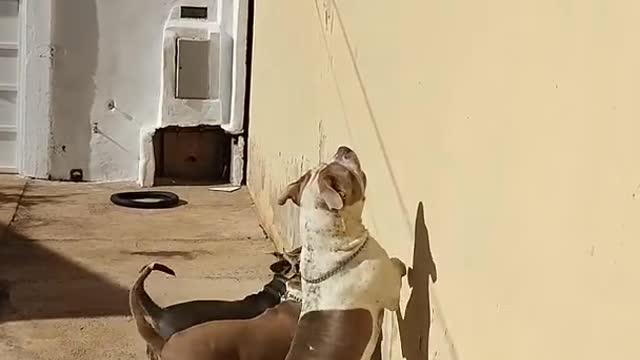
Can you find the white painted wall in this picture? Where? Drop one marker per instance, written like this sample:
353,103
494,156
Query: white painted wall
111,52
175,111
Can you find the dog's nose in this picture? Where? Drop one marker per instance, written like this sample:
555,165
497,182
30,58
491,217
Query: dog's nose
347,157
346,154
344,151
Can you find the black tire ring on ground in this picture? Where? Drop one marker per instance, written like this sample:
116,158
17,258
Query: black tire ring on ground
130,199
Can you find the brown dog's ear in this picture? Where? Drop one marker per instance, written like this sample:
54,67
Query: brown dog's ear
280,267
293,253
293,256
293,191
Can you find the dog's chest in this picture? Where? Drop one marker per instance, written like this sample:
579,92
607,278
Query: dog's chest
368,281
359,286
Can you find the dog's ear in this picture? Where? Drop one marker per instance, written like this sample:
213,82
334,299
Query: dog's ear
294,253
280,267
293,256
339,187
332,187
294,190
330,196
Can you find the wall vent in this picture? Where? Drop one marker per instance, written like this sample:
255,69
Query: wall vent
193,12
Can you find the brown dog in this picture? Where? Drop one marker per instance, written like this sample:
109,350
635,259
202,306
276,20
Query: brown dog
266,337
156,324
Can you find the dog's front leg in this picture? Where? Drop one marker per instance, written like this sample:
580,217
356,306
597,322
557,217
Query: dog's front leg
400,266
394,283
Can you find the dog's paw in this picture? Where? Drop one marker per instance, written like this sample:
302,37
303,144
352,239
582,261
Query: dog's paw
393,305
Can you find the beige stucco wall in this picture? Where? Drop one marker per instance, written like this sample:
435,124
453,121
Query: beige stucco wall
515,124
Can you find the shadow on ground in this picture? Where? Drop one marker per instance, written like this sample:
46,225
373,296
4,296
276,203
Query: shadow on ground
37,283
12,195
415,327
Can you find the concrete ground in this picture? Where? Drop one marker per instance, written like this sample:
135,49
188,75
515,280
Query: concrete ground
68,257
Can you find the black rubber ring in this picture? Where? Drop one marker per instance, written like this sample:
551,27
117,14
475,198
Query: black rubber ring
131,199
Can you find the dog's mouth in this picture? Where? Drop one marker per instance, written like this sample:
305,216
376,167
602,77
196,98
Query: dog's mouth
348,158
288,263
284,270
293,273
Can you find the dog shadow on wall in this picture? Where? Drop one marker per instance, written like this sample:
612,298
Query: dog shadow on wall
414,328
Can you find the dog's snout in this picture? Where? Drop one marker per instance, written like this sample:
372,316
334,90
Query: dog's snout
344,152
347,156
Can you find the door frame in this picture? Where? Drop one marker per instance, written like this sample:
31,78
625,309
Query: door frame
35,60
9,48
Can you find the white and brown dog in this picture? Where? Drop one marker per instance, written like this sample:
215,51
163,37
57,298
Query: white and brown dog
347,277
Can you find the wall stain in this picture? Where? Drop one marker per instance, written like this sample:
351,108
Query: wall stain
322,136
328,11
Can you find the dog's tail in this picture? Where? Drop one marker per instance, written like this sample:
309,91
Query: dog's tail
142,306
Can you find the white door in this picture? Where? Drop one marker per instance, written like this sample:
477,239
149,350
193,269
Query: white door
8,85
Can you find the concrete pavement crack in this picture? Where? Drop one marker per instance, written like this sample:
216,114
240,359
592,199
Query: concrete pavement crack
15,212
5,230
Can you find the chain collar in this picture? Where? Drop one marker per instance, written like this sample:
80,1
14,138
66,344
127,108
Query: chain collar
335,270
289,296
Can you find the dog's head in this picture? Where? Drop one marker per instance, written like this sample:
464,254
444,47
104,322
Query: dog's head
286,272
338,186
288,263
